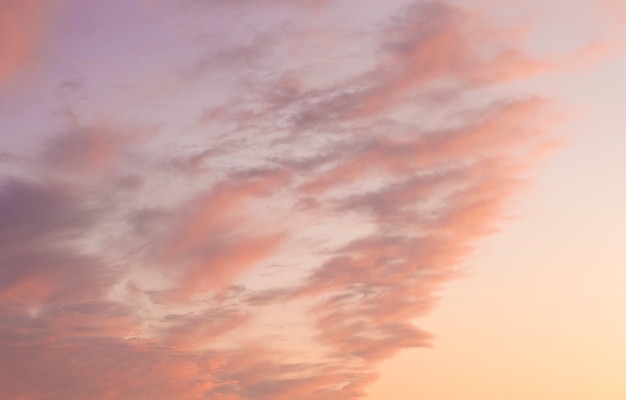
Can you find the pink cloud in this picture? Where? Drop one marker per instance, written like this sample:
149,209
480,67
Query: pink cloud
92,150
103,369
192,332
22,30
133,267
209,249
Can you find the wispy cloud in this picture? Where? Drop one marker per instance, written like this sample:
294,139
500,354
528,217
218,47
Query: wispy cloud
134,246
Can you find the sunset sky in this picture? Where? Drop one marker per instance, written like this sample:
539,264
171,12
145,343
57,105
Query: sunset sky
312,199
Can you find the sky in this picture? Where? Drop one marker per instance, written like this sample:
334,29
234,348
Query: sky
312,199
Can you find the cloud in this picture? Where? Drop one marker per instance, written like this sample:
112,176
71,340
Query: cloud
102,368
432,43
89,149
210,245
133,260
195,331
39,259
22,30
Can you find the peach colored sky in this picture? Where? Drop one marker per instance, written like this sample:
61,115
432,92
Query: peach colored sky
311,199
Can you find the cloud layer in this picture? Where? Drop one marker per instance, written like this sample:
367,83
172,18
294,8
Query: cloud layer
257,208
